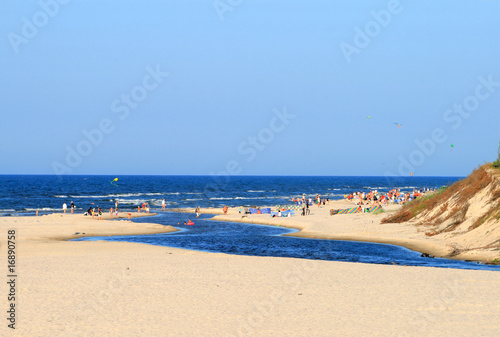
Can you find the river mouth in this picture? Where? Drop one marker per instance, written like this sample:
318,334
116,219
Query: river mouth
260,240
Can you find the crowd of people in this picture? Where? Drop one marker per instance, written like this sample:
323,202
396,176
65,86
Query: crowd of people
144,208
305,203
93,212
372,198
394,196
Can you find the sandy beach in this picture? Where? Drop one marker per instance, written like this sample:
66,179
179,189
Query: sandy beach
363,227
123,289
172,106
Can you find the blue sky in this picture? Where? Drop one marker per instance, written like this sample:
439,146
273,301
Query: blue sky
279,87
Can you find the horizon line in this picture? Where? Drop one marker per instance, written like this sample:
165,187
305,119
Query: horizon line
220,175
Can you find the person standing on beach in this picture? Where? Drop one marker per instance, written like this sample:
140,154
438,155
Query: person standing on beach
65,207
116,204
225,209
163,204
198,212
72,207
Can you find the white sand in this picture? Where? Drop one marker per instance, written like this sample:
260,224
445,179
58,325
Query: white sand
125,289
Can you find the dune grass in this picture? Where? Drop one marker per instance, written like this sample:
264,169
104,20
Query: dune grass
459,194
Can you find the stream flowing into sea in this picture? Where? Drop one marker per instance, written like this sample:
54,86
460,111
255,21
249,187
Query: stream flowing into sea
24,194
259,240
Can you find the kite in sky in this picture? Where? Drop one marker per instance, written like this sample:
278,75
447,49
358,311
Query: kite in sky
112,182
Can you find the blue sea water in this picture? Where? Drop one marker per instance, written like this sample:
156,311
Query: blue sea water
27,193
22,195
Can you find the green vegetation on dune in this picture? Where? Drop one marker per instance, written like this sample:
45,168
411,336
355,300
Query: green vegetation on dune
459,209
496,163
415,207
459,194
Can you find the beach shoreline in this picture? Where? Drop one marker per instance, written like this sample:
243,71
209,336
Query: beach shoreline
355,227
62,227
64,285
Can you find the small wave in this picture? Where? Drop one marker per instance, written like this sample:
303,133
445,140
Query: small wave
221,199
117,195
191,199
131,201
251,191
60,196
90,196
137,202
7,210
334,195
158,202
134,194
42,209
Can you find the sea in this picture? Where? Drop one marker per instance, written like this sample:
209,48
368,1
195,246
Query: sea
25,194
22,195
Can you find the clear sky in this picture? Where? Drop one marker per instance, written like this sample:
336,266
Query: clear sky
264,87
